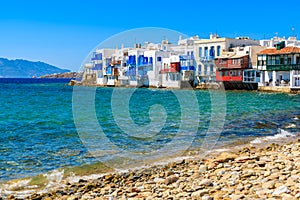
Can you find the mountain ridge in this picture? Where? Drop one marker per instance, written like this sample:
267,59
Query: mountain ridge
21,68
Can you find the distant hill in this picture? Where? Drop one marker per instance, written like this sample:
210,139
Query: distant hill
26,69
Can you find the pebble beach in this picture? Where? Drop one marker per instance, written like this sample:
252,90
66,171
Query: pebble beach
269,172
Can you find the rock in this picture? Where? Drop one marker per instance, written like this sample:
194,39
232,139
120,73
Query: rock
72,198
11,197
205,182
288,197
202,168
206,197
225,157
267,173
132,194
199,194
159,180
171,179
237,197
146,194
168,173
245,158
280,190
108,177
269,185
211,166
248,174
87,196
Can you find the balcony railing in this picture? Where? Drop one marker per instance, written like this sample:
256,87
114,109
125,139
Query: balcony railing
97,57
237,65
207,58
283,67
222,65
97,67
206,73
187,68
168,70
131,72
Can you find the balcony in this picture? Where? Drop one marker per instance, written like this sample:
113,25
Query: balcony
97,57
206,73
97,67
283,67
207,58
236,65
131,72
222,65
168,70
187,68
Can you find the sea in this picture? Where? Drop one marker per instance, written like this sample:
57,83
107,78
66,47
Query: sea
46,125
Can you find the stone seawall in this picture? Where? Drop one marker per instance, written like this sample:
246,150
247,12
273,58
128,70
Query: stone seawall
277,89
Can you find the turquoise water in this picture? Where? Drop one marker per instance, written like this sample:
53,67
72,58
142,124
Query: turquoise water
38,133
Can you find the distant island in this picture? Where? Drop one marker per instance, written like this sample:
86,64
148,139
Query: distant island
26,69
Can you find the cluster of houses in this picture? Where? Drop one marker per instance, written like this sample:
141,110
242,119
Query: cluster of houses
237,63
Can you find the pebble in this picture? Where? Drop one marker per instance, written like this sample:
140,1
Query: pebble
268,173
199,194
280,190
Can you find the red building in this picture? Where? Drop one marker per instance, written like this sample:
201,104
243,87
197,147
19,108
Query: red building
230,68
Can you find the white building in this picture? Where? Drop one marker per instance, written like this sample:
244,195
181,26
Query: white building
206,51
280,66
170,75
290,41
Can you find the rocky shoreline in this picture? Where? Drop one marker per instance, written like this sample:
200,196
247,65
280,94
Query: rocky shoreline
271,172
68,75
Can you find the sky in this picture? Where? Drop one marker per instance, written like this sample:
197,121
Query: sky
63,33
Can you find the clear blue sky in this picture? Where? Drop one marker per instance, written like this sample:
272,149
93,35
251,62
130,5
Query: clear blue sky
62,33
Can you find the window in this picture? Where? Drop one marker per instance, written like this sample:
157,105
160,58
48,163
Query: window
205,51
205,68
200,52
212,52
218,50
260,63
226,73
211,68
199,68
236,61
273,60
281,60
222,61
220,73
277,60
258,74
150,60
289,59
98,56
159,59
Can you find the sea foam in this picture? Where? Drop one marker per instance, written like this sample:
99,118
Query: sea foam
280,134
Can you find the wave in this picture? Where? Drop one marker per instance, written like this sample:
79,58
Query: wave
280,135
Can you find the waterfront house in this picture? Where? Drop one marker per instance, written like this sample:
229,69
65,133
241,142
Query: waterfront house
280,66
100,66
170,72
133,62
206,50
235,68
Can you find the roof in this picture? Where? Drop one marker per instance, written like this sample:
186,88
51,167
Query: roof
286,50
